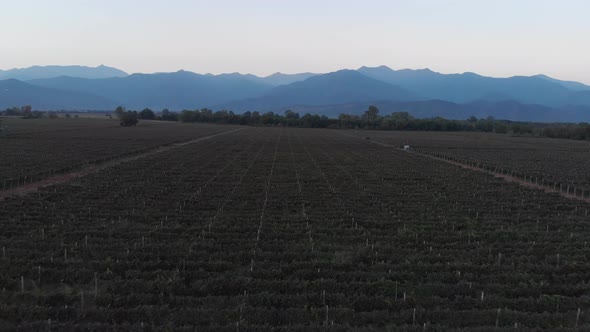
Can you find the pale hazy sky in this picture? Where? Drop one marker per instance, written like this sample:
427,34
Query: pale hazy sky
490,37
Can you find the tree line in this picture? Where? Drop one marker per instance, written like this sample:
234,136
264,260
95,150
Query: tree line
369,119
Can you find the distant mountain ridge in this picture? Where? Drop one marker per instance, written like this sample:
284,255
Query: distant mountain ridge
343,86
467,87
421,92
176,91
576,86
14,92
40,72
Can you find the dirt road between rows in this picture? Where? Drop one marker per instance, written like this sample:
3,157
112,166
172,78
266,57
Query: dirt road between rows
61,178
495,174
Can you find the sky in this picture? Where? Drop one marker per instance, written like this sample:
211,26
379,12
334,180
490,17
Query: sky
497,38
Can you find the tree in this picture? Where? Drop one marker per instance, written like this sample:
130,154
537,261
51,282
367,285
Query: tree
372,113
128,119
119,111
147,114
189,116
26,110
246,118
267,118
12,111
166,115
255,117
291,118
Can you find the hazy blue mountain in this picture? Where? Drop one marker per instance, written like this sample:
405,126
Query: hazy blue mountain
40,72
422,92
16,93
249,77
177,91
575,86
274,80
277,79
343,86
467,87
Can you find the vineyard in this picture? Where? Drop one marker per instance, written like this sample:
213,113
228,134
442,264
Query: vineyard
550,160
42,148
291,229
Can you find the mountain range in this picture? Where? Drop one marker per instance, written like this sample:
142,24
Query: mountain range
424,93
37,72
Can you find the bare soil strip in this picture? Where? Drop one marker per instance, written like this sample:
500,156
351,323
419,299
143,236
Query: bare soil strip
495,174
30,187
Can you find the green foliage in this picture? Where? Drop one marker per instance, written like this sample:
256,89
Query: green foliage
166,115
28,113
579,131
27,109
371,114
119,111
147,114
128,119
521,129
13,111
370,119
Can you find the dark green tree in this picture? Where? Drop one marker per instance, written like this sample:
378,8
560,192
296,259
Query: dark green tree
128,119
166,115
119,111
147,114
372,113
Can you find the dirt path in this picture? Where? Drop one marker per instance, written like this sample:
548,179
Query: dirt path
495,174
30,187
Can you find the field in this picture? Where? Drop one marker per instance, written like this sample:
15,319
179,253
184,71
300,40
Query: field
36,149
292,229
550,160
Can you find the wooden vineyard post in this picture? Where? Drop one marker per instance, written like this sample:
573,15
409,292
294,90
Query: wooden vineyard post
95,285
22,284
578,317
